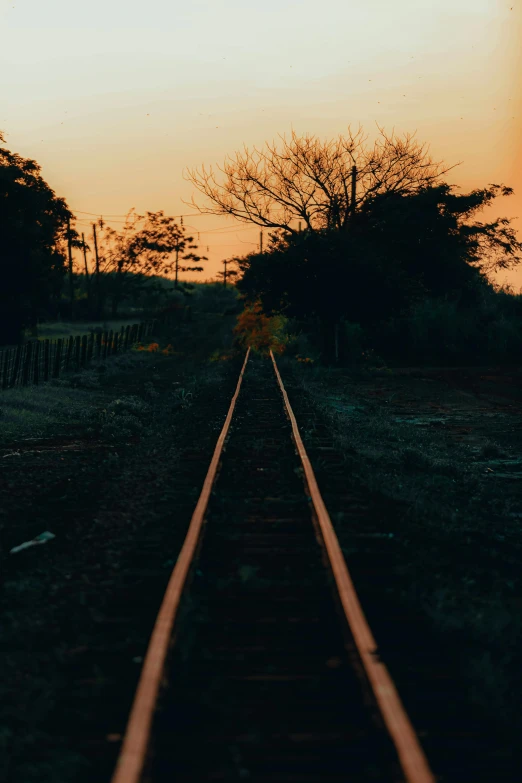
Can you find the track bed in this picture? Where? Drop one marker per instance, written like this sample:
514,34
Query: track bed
262,685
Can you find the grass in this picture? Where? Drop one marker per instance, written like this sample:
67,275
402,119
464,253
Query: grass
461,519
53,408
96,458
53,331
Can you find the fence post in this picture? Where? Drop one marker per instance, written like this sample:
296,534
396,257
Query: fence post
27,364
69,351
57,358
90,347
36,372
105,340
3,358
77,352
5,368
83,358
7,365
126,338
7,361
46,361
16,365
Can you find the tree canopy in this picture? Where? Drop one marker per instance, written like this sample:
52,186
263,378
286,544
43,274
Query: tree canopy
33,223
403,247
146,245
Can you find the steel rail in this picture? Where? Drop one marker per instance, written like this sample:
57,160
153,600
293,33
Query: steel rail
133,752
411,756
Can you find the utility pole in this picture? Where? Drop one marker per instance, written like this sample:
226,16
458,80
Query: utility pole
71,280
225,273
85,259
177,266
260,241
98,300
354,187
87,279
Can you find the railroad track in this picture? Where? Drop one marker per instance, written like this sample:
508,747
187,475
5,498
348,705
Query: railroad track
261,665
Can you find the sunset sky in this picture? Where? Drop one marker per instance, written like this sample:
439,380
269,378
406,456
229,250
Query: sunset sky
114,98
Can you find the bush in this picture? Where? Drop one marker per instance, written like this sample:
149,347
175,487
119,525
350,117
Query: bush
444,331
261,332
122,418
353,339
440,331
215,298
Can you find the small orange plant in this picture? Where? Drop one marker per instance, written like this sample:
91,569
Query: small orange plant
151,348
155,348
219,356
262,332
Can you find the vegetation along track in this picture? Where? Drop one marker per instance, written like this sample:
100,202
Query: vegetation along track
274,674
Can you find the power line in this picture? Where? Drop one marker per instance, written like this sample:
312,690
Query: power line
225,230
96,214
233,244
220,230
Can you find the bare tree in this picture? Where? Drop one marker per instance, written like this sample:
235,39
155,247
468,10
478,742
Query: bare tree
150,244
310,180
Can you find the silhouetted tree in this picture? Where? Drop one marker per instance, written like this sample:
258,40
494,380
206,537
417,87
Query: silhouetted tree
168,247
33,222
120,260
159,247
310,180
403,248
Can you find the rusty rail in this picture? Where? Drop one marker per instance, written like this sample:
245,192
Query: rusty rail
134,747
411,756
133,753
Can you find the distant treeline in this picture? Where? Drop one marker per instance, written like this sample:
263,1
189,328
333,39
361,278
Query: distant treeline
44,263
369,249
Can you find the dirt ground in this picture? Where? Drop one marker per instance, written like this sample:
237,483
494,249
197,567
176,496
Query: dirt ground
111,462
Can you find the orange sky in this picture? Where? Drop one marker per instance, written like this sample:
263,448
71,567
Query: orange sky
115,98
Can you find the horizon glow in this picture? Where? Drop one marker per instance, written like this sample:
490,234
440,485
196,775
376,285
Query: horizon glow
115,100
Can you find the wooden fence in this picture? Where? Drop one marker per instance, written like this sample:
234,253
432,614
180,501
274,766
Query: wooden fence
40,360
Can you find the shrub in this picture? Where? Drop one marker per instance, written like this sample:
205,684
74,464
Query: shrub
352,342
261,332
